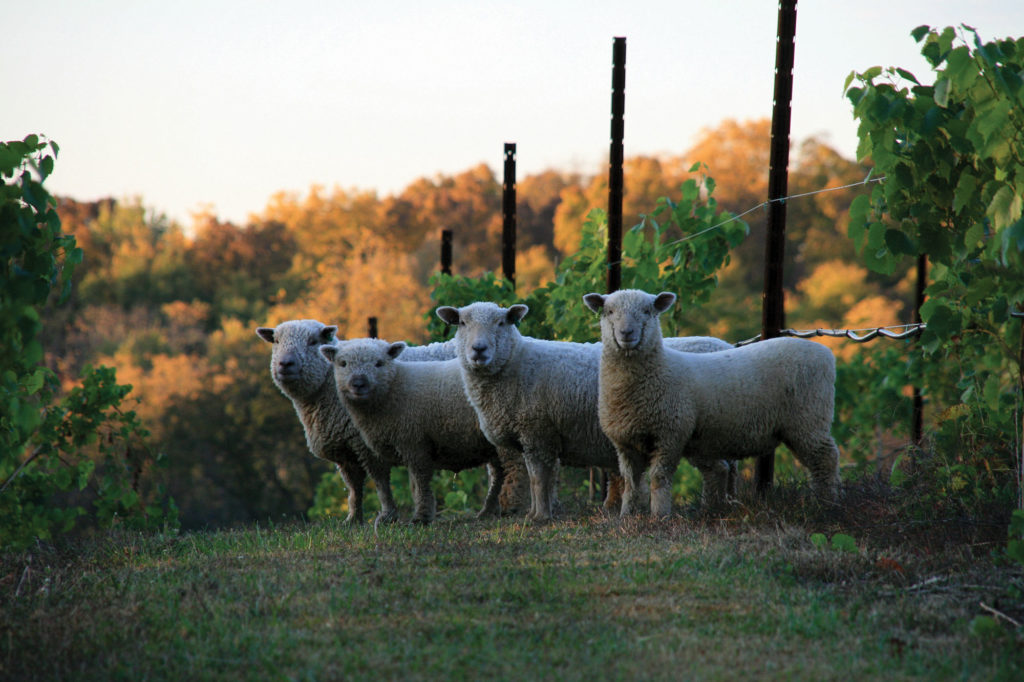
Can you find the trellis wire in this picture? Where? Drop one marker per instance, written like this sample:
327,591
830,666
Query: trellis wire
764,204
852,334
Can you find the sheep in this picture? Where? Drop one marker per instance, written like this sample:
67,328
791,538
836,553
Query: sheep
536,396
303,375
415,413
658,405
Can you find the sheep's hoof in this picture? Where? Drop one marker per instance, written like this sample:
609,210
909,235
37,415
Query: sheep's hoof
353,520
390,517
420,521
486,513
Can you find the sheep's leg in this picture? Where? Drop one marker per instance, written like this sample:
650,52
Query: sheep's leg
663,469
715,484
613,493
424,504
380,474
821,457
540,471
733,479
514,497
495,477
355,479
631,465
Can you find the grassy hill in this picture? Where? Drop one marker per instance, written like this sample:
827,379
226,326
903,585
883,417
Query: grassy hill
779,589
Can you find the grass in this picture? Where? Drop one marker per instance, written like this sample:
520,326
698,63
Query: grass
740,594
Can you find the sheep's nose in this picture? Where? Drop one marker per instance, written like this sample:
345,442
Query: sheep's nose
479,347
358,381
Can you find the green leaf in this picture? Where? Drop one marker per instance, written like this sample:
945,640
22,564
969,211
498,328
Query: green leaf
965,189
844,543
920,32
1013,239
859,211
985,627
819,540
907,75
899,243
942,92
876,236
942,321
1005,207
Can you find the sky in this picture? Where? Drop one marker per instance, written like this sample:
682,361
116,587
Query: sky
216,105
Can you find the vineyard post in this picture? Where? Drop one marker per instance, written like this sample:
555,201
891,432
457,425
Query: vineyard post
371,327
508,215
615,158
917,420
773,311
446,252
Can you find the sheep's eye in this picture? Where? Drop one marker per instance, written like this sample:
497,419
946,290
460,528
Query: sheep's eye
380,363
312,341
461,323
343,363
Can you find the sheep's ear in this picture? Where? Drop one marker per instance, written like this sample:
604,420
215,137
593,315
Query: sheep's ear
328,332
594,301
329,351
395,349
265,333
449,314
516,313
664,301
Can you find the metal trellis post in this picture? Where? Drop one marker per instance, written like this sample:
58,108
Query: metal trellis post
508,215
773,310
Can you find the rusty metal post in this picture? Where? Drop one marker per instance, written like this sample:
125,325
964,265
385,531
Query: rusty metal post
508,215
371,327
917,420
615,158
773,308
446,252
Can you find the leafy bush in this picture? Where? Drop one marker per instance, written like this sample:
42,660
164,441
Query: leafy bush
52,450
952,154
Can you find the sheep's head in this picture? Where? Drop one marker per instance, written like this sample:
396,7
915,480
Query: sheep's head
296,364
486,334
363,368
629,317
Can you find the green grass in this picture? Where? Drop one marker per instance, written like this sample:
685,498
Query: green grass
738,595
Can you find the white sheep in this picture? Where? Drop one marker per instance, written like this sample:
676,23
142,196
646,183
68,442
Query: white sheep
305,377
415,413
536,396
658,405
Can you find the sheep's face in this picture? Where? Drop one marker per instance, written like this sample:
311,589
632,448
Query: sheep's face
296,364
487,334
629,317
363,368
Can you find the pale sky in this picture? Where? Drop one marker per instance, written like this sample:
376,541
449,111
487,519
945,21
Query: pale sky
215,103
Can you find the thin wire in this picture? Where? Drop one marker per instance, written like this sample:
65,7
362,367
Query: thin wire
763,204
